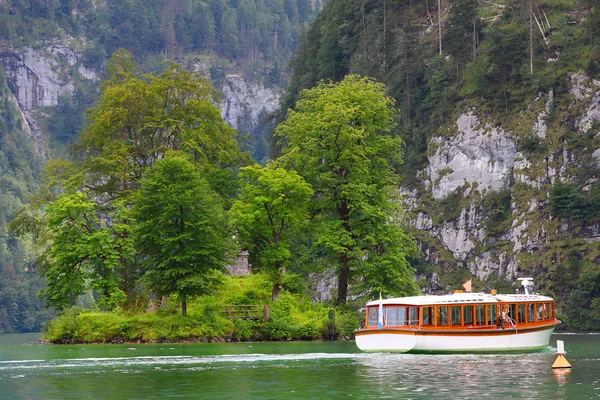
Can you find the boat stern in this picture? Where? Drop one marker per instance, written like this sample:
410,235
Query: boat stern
373,340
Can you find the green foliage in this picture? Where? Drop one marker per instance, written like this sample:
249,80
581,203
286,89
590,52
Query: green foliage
180,230
64,328
86,244
461,25
294,283
339,139
292,316
20,171
498,209
242,29
347,320
137,120
531,144
86,252
573,278
568,200
451,206
441,88
269,211
67,120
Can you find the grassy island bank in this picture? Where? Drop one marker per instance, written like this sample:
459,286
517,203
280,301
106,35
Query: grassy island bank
293,316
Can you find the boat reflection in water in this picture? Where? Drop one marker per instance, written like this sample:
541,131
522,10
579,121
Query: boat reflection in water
459,322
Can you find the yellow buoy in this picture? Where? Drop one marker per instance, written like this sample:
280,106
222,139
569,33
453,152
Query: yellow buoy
561,361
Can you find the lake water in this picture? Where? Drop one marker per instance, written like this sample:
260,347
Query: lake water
290,370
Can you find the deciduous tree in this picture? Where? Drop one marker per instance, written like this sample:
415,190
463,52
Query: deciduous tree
85,252
272,205
339,138
180,230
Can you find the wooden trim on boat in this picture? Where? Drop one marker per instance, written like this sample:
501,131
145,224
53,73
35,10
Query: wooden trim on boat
457,332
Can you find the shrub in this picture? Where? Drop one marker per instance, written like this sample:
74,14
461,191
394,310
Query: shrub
497,205
347,320
65,327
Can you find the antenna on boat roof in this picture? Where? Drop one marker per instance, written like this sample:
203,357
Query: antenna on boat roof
527,283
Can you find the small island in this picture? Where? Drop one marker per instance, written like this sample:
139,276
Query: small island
139,223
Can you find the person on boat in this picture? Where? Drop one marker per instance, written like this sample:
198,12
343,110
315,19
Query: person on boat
503,318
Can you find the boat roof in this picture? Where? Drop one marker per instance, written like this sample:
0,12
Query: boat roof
461,298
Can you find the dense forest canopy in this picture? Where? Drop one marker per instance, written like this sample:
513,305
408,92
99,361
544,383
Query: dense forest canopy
435,58
139,209
255,36
438,58
251,32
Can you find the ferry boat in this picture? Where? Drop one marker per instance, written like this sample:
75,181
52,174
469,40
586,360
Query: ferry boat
459,323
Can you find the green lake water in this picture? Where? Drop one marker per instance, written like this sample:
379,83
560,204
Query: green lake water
288,370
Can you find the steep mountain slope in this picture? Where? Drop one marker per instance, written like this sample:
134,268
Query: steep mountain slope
53,54
500,115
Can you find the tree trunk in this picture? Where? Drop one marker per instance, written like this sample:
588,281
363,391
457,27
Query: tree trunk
343,281
277,278
440,24
184,307
530,39
275,290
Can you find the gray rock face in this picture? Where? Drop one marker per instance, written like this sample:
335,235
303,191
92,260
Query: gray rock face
483,157
475,154
592,114
38,77
243,99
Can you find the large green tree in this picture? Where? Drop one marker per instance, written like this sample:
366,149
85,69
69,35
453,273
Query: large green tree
85,252
340,139
136,122
180,230
271,207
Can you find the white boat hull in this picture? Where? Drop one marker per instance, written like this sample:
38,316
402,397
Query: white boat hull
497,340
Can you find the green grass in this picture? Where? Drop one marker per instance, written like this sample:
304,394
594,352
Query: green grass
293,316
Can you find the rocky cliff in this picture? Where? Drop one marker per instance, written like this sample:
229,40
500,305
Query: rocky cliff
38,76
477,164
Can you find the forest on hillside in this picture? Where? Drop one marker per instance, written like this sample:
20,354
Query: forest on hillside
254,33
438,58
258,37
434,58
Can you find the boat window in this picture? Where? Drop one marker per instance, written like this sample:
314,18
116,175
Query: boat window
468,315
521,313
548,311
480,315
373,315
428,315
540,312
442,316
395,316
530,312
455,315
492,314
512,312
413,318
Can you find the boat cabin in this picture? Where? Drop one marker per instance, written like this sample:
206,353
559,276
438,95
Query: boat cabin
462,311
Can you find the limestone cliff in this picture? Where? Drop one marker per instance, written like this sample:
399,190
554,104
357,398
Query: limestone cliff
476,159
38,76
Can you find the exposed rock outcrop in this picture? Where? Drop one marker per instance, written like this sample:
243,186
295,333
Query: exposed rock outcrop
37,76
477,157
245,101
475,153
